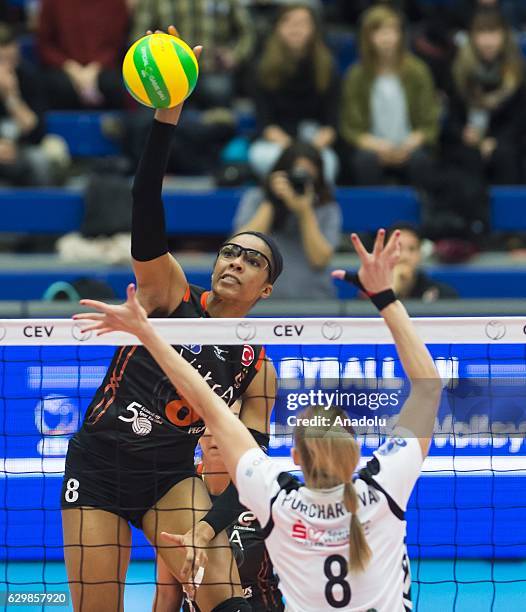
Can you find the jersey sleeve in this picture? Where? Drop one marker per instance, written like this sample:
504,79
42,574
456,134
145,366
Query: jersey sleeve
399,463
257,483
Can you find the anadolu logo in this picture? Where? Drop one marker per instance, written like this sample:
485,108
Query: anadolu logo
246,331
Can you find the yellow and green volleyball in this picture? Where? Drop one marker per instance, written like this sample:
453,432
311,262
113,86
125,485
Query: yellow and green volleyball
160,70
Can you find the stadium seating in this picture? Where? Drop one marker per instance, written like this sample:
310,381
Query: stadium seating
57,211
82,131
469,281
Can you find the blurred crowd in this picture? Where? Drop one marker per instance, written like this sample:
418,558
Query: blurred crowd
433,97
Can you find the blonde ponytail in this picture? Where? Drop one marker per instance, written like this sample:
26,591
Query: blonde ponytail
329,455
359,551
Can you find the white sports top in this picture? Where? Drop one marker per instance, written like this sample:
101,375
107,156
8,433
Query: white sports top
308,530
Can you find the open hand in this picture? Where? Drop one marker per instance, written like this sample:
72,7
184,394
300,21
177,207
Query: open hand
191,574
376,269
129,317
171,115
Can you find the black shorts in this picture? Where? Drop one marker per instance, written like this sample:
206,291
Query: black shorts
259,604
256,601
123,487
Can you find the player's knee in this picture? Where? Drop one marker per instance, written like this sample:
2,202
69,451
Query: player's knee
234,604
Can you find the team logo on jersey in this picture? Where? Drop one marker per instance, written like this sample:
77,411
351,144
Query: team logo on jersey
180,413
248,355
219,352
140,419
246,518
392,446
301,532
195,349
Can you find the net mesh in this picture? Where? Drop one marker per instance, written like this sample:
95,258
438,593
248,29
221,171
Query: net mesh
466,516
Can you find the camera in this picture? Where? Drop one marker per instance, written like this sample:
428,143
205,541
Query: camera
300,179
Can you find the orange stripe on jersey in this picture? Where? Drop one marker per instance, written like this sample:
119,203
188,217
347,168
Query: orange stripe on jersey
260,360
204,298
112,386
186,297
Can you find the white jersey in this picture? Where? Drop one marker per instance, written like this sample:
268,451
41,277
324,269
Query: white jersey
307,530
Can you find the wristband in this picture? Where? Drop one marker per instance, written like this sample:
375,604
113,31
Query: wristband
381,300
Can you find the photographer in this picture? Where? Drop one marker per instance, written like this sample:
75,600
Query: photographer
296,207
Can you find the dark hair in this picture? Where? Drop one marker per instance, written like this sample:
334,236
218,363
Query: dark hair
286,163
488,20
474,77
275,66
7,35
275,253
371,20
404,226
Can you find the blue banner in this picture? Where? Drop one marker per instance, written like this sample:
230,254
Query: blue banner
474,508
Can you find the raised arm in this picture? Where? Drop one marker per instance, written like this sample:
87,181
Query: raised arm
375,276
160,279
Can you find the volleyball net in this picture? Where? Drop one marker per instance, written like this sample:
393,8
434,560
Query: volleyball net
470,502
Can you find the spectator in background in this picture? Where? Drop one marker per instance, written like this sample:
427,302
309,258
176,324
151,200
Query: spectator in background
351,11
295,92
297,208
514,11
409,281
482,134
389,108
13,13
224,29
26,157
81,44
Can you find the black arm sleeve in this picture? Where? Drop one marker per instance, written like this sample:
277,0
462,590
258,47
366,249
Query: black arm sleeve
227,507
148,239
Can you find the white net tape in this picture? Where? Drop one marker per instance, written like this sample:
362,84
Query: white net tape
271,331
268,331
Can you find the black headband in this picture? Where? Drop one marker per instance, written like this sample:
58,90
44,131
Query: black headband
277,259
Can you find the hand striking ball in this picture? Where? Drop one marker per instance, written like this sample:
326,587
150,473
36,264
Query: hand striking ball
160,70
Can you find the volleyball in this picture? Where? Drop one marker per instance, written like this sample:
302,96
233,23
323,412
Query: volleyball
160,70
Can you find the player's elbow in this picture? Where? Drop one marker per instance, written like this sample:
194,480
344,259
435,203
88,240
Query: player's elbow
428,389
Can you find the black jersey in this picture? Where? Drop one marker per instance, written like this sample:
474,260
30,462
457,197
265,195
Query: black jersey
138,416
256,572
260,584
